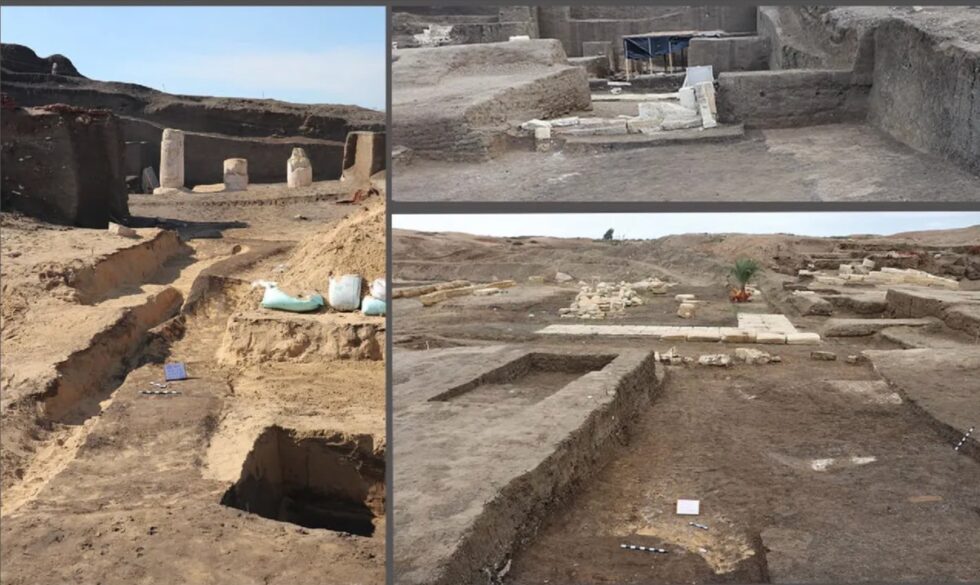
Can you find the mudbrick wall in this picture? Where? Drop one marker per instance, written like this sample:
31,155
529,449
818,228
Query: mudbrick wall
926,92
469,24
517,511
817,37
800,97
574,25
49,159
263,131
453,103
922,67
730,54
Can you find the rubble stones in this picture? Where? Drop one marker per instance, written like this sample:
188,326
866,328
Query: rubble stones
686,310
121,230
752,356
602,300
862,274
824,356
810,303
653,286
721,360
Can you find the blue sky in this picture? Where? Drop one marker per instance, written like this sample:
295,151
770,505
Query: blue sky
655,225
298,54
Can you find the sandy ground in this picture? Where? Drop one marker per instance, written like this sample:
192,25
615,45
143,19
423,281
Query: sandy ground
819,163
807,470
103,483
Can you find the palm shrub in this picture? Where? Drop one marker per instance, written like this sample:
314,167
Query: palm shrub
743,271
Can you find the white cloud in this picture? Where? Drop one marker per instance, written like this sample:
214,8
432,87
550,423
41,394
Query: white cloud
342,75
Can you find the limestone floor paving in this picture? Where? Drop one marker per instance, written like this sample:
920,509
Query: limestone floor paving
752,328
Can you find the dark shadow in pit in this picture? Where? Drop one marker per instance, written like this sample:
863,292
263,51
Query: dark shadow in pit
312,481
188,230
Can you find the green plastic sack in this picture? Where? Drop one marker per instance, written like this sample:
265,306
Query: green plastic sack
372,306
276,299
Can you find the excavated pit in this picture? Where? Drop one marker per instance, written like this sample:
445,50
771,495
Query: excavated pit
315,482
528,379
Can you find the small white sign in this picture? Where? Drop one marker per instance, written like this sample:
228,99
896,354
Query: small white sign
689,507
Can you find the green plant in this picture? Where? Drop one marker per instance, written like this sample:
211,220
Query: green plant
743,271
608,235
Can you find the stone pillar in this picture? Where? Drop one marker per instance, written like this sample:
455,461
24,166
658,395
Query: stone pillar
299,171
364,155
172,159
236,174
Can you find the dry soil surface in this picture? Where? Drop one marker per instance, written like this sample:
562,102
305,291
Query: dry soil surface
819,163
104,483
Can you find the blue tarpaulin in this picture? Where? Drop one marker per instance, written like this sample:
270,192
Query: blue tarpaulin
653,46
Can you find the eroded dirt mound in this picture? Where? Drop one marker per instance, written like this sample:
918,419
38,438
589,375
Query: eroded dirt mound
698,259
356,245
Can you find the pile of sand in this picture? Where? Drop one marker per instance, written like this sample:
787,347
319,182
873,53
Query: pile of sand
356,245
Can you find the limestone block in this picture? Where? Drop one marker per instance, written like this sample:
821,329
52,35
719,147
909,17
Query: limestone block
535,124
810,303
729,335
684,297
770,338
686,310
803,338
720,360
752,356
705,94
562,277
172,159
236,174
687,98
299,170
703,334
824,356
121,230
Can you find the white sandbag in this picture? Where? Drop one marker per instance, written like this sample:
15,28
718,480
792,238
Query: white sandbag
379,289
345,293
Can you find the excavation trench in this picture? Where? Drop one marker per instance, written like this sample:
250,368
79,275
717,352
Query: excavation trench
84,379
322,482
798,480
123,269
529,379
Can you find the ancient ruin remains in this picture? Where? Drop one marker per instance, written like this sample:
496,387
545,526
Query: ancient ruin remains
631,97
565,414
157,416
